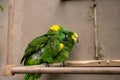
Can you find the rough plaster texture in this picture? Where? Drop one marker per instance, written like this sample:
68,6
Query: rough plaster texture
109,28
33,18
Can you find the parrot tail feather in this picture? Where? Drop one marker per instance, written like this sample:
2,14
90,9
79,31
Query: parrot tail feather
32,76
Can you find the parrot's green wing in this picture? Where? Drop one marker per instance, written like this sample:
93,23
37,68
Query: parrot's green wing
50,50
46,50
34,46
43,55
32,55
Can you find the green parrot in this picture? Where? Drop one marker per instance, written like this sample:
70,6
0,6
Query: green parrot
43,48
69,42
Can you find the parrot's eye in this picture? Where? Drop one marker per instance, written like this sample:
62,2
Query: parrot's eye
66,37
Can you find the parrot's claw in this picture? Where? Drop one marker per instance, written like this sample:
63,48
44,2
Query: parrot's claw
46,64
62,64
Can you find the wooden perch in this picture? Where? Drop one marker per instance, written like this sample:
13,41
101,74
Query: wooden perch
67,70
93,63
85,67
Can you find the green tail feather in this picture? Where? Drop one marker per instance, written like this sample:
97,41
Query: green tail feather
32,76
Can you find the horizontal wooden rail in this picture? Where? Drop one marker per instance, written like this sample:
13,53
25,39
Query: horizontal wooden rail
66,70
90,67
93,63
73,67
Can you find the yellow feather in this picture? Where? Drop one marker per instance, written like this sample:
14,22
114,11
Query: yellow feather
74,37
61,46
55,27
75,34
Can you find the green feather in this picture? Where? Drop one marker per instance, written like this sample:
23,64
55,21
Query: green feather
31,76
34,46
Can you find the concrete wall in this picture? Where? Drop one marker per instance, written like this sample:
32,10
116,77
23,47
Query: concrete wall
34,17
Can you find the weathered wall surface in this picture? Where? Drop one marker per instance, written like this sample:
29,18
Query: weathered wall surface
34,17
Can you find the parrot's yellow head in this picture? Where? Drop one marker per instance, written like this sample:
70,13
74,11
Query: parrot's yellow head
74,37
55,27
61,46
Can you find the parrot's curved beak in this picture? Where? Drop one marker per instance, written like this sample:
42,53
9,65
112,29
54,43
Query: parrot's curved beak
77,40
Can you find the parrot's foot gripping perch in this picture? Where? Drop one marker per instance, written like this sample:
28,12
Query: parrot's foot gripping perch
46,64
62,64
59,64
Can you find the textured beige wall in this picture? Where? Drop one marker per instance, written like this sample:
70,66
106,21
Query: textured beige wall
33,18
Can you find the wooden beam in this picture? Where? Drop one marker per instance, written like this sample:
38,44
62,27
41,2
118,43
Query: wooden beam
6,70
66,70
10,32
